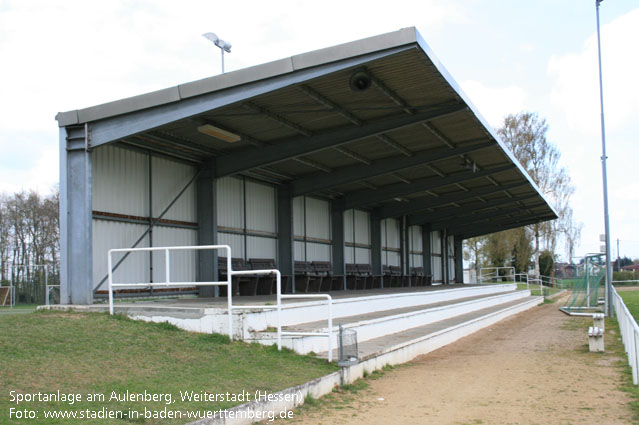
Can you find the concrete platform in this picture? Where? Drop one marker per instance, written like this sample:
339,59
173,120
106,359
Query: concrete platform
386,320
381,323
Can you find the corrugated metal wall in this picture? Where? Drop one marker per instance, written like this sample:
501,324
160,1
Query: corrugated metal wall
451,258
183,263
122,182
169,177
390,242
416,246
111,234
312,227
261,214
357,235
436,257
247,217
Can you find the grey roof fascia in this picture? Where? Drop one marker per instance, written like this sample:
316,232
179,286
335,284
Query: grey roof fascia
117,127
341,52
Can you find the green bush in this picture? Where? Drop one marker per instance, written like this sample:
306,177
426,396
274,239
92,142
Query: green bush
625,275
546,263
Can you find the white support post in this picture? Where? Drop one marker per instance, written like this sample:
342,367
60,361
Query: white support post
229,289
167,266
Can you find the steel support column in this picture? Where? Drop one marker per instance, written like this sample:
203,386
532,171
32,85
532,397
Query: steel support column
285,243
376,248
76,242
337,235
427,250
207,230
459,260
403,248
444,244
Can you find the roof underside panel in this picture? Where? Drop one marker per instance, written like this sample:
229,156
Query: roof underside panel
409,144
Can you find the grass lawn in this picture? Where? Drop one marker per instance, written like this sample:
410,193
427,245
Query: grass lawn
631,299
96,353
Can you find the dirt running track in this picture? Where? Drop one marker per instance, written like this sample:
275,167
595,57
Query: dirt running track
533,368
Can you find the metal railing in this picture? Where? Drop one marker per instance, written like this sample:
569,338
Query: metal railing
229,284
47,292
629,333
493,273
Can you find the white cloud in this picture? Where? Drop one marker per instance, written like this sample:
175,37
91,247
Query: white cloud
576,78
527,47
59,56
495,103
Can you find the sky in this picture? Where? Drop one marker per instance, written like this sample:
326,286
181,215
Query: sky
508,56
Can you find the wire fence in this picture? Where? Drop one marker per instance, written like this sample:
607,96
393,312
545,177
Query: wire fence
36,284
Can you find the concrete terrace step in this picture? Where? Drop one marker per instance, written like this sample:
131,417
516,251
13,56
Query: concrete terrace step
426,338
387,322
350,321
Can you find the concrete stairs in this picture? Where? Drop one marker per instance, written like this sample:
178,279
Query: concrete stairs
385,328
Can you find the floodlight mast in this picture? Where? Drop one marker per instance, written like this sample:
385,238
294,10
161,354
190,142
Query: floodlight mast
224,46
608,292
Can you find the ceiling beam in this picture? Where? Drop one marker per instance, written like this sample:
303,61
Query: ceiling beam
277,118
388,92
474,218
313,164
424,218
393,144
353,155
396,210
480,231
367,197
167,140
355,173
330,104
238,162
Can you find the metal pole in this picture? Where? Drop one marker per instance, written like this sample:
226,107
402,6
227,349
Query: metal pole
222,50
608,296
46,284
279,309
229,289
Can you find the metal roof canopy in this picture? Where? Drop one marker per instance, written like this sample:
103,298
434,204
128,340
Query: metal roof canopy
412,144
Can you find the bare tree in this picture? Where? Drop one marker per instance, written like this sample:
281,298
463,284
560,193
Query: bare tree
29,232
525,136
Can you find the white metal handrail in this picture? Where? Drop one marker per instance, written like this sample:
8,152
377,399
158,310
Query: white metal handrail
328,334
229,284
629,333
493,273
167,268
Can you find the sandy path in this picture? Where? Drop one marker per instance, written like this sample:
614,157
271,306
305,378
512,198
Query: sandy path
533,368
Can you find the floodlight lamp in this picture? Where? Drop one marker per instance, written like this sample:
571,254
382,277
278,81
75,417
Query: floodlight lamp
211,36
224,45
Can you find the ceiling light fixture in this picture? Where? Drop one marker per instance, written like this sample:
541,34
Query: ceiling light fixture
211,130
